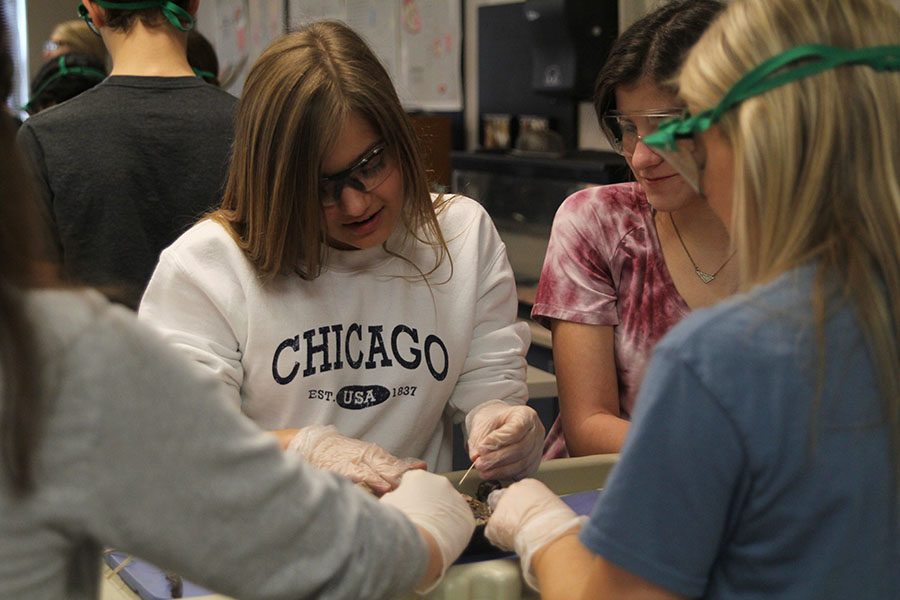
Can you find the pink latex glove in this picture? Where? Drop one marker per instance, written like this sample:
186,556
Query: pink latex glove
527,516
363,462
505,440
432,503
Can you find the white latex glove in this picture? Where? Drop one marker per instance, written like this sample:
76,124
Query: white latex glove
505,441
431,502
527,516
363,462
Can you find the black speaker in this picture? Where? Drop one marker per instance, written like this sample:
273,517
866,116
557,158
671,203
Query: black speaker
569,42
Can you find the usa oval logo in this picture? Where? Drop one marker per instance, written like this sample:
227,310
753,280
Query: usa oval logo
357,397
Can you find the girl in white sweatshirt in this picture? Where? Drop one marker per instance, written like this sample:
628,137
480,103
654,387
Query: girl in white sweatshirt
338,302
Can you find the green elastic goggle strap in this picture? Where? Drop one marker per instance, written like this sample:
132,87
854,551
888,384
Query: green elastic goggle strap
766,76
203,74
177,16
64,71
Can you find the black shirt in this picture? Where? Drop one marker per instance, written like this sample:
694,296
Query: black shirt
124,169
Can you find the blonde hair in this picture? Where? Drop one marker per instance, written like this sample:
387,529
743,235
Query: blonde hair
295,99
817,177
79,39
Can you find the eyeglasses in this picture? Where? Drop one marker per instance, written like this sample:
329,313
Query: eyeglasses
177,16
674,140
365,175
623,129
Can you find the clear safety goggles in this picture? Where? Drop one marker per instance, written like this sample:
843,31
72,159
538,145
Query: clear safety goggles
674,140
625,129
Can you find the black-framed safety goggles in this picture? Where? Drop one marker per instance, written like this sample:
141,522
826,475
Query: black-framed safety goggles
365,175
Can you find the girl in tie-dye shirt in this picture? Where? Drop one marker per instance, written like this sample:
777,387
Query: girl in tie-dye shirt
625,262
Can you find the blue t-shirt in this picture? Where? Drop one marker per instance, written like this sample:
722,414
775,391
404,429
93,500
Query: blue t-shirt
734,482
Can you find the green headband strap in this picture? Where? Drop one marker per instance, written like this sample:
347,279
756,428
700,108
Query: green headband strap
206,75
773,73
65,71
177,16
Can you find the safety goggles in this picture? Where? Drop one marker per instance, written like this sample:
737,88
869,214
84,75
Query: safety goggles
624,129
64,71
674,140
177,16
365,175
204,75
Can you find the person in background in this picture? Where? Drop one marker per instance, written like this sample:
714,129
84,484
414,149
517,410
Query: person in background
107,439
74,37
62,78
202,57
625,262
764,457
129,165
339,303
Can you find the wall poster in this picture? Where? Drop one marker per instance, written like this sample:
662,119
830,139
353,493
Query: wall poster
419,42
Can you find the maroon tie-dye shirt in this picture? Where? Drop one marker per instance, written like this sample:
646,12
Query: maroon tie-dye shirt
604,266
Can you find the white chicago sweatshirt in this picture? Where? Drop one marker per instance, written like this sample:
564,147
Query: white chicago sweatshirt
368,346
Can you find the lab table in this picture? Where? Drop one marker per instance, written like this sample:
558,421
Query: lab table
496,578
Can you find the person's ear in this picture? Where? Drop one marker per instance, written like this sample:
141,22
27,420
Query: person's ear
96,12
193,6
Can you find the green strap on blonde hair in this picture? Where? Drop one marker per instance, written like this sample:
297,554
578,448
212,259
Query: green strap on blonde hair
773,73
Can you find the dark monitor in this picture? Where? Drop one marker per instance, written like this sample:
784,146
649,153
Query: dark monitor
570,40
511,49
504,72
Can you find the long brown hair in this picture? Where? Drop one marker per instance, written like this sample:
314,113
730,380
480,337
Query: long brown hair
21,409
298,94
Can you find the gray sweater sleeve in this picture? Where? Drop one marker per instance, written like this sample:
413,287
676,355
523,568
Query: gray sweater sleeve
176,476
35,163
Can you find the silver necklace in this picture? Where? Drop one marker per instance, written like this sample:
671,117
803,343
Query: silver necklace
703,275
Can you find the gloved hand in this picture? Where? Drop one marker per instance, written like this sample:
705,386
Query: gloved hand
431,502
505,441
363,462
526,517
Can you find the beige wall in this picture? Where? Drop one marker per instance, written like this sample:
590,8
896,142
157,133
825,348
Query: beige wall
43,15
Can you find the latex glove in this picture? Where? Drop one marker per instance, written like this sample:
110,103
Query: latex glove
363,462
505,441
431,502
527,516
